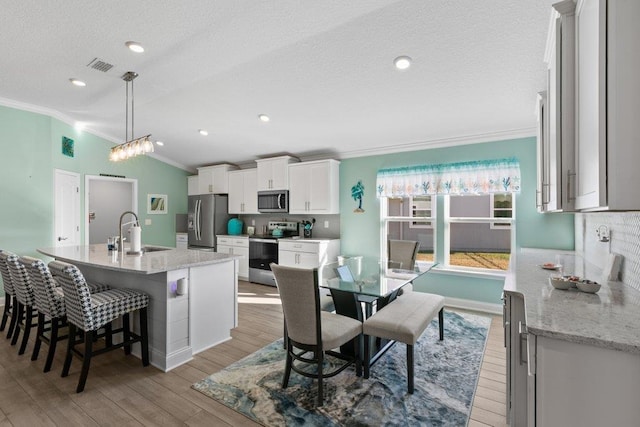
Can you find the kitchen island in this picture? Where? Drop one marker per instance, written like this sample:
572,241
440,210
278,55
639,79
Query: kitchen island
573,358
192,294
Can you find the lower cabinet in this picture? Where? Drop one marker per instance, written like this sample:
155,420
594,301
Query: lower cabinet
307,254
236,245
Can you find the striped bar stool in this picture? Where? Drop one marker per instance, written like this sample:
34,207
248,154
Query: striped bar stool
10,301
26,310
89,312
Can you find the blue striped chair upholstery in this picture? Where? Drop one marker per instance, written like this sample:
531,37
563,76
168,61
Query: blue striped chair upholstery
88,312
27,310
10,301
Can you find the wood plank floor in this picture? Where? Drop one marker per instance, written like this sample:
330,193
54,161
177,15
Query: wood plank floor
121,392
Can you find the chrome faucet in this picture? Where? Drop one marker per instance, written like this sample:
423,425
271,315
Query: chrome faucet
120,242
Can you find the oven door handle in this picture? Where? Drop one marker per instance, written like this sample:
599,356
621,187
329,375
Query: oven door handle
272,241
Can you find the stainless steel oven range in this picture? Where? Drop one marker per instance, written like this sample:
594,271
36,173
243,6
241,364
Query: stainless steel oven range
263,250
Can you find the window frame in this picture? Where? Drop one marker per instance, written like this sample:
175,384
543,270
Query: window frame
500,225
413,210
385,219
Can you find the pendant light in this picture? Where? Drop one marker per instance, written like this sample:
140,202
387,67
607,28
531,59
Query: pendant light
132,147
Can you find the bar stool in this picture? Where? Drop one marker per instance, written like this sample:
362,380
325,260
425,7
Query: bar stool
88,312
26,311
10,301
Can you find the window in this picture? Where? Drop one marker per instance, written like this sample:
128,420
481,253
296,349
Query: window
410,219
501,207
421,207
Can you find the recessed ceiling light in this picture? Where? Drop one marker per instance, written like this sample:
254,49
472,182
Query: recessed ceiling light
135,47
203,132
160,143
264,117
77,82
402,62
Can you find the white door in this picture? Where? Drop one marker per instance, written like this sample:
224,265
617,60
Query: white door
66,208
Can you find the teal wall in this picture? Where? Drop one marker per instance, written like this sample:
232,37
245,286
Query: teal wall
360,232
31,150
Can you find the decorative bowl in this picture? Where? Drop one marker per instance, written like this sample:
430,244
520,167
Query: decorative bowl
588,286
560,282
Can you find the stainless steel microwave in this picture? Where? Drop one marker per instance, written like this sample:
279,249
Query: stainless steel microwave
273,201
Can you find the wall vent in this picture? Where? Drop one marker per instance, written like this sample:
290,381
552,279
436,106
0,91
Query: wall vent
100,65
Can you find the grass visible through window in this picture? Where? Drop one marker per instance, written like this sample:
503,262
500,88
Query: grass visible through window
489,260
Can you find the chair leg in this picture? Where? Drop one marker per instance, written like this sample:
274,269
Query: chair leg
16,331
357,341
53,341
108,334
284,342
287,366
14,317
410,368
86,361
144,334
367,355
70,344
28,324
39,333
126,333
441,323
320,357
5,313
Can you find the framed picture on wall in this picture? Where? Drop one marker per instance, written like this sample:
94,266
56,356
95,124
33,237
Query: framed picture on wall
157,203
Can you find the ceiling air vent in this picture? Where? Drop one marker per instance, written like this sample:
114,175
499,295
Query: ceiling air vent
100,65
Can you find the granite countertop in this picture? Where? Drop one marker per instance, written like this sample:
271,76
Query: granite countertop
148,263
609,318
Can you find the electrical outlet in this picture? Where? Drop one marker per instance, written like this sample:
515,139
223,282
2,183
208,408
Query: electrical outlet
253,222
147,221
326,224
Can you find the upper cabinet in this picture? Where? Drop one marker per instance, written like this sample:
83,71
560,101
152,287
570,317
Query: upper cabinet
273,173
243,194
314,187
607,94
556,140
192,185
214,179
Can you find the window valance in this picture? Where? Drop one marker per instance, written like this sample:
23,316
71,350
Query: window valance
479,177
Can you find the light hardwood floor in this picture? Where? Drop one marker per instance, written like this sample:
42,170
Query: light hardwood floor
121,392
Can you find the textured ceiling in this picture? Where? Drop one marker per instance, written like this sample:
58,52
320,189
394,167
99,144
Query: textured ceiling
323,71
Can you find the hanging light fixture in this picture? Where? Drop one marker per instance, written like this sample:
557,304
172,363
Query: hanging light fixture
132,146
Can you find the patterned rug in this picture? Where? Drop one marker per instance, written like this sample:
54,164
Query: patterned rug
446,374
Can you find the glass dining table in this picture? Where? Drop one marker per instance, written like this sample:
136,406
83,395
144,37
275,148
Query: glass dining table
360,284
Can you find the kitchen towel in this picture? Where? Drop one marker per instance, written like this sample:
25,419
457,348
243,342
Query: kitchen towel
135,234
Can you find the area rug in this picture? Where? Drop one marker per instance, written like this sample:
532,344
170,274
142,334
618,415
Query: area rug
446,374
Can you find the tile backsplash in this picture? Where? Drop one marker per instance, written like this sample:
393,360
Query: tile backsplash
624,230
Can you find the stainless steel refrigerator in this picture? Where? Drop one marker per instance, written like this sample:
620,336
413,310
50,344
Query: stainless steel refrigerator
207,217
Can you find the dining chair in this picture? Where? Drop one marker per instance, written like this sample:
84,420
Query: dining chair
10,300
87,312
312,333
26,307
402,253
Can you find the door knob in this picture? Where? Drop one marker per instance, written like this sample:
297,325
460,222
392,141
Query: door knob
62,238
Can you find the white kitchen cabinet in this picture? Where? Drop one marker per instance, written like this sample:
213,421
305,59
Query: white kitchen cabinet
556,141
517,375
182,240
308,253
214,179
243,193
607,103
273,173
314,187
236,245
192,185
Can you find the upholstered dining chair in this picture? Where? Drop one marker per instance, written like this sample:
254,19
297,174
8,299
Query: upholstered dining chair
26,308
402,253
10,300
89,312
311,332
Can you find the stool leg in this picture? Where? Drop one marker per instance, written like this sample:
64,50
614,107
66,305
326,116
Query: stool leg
410,368
144,333
5,313
86,360
39,333
14,317
71,341
108,335
16,331
28,324
53,341
441,323
126,333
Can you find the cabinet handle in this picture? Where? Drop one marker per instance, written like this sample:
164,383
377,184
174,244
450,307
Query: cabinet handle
539,197
546,194
569,175
524,336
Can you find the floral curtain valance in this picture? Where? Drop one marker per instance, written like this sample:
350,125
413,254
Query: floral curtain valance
480,177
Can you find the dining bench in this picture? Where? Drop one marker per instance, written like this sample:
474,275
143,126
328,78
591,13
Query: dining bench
404,319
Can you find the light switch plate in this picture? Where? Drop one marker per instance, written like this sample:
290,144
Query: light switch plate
326,224
147,221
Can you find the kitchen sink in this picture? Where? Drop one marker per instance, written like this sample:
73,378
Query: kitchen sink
146,249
